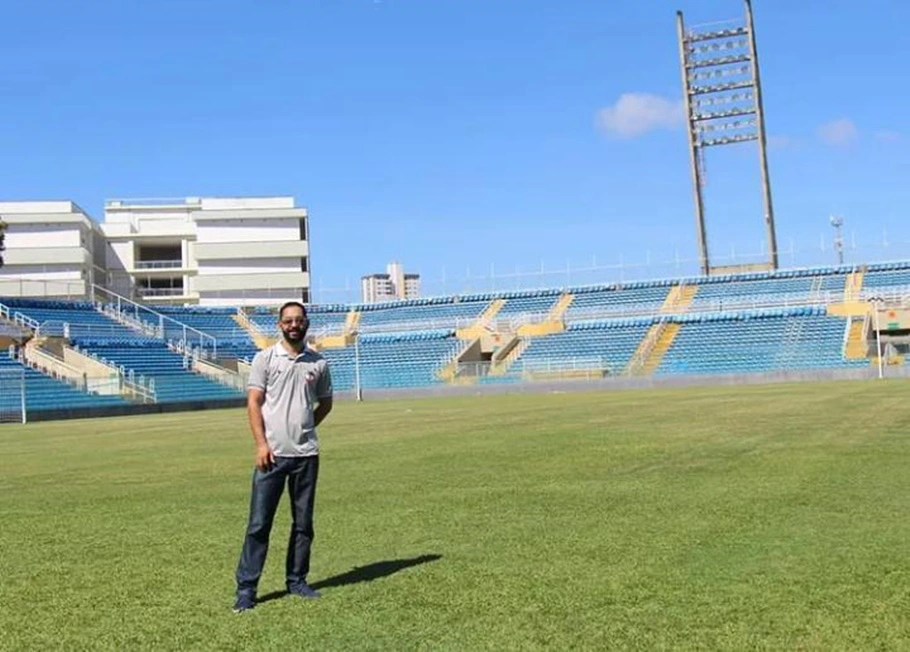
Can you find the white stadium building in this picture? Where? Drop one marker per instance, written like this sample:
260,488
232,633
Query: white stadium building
204,251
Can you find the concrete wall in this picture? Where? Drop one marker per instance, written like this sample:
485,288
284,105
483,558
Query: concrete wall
61,289
293,249
222,283
43,235
252,231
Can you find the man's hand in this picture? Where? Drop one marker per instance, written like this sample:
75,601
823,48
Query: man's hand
264,458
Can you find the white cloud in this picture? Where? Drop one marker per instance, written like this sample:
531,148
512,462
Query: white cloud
838,133
635,114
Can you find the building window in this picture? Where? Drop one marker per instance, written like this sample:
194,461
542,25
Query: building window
305,295
303,228
158,256
303,264
160,287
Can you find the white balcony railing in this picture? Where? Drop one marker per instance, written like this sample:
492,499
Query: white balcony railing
160,292
158,264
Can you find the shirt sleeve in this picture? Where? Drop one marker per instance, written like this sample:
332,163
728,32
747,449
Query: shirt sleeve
324,386
259,372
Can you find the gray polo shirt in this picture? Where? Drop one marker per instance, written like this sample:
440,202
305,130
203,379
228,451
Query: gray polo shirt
293,386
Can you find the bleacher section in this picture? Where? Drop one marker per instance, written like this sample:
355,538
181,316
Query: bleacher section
153,359
422,314
603,301
887,275
405,359
218,322
747,323
537,304
233,340
45,393
83,318
394,360
585,346
765,341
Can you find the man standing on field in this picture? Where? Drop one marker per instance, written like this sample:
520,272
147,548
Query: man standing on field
289,393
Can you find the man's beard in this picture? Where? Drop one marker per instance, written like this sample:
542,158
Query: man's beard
294,337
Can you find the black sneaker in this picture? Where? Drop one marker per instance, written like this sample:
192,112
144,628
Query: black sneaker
303,590
244,602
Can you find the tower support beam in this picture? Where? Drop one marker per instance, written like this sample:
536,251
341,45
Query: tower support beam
723,103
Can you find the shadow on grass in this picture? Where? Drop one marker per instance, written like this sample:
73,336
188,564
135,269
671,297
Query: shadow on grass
358,574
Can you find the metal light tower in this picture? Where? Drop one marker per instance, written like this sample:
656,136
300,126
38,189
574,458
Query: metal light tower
722,95
837,222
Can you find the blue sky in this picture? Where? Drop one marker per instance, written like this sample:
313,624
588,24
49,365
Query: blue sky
459,136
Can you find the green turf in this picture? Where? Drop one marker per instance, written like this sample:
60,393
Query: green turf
759,517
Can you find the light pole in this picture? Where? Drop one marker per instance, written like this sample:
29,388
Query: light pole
358,389
876,302
837,222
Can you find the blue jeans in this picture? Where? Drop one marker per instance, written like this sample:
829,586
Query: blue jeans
299,474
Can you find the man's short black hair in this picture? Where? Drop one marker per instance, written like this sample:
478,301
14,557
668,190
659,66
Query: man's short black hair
291,304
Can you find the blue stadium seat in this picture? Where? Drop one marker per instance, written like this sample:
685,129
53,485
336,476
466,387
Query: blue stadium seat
153,359
45,393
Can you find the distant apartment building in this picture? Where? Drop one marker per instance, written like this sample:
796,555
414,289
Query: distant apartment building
206,251
392,285
53,249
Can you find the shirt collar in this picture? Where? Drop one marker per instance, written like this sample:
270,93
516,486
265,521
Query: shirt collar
280,350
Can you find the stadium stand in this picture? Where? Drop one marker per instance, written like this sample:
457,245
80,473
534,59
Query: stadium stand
405,359
537,303
804,319
173,380
605,301
45,393
418,314
82,319
604,346
757,341
887,275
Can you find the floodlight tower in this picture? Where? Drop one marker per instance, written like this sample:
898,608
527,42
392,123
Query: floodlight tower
837,222
723,101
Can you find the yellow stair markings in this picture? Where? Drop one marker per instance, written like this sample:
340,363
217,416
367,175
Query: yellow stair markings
561,306
553,323
476,329
345,338
543,328
500,367
641,351
352,321
679,298
687,296
856,348
652,348
848,309
243,320
856,312
671,299
852,305
854,284
888,361
491,311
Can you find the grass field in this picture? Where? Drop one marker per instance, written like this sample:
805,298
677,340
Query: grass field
758,517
